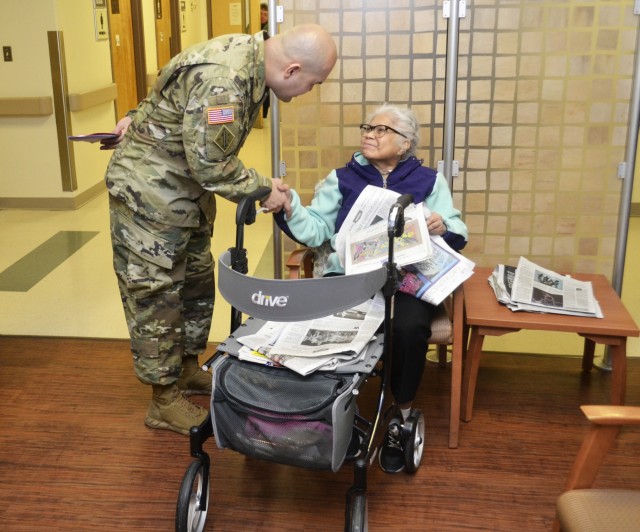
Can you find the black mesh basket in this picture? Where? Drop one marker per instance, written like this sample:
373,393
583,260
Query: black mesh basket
277,415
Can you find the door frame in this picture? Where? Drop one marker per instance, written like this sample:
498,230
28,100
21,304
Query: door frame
137,29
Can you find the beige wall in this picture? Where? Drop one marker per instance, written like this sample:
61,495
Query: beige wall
541,121
29,165
543,102
88,68
21,139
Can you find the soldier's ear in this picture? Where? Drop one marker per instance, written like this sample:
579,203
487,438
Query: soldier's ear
291,70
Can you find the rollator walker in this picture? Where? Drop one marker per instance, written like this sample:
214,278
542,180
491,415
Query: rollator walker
275,414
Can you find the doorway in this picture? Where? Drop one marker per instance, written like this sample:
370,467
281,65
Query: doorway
168,41
128,66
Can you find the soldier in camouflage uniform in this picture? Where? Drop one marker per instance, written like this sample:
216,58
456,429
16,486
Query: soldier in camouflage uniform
176,151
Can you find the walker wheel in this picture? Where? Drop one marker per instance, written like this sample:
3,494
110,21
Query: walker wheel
193,500
414,444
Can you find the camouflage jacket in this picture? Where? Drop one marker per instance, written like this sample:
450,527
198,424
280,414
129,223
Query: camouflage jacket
182,146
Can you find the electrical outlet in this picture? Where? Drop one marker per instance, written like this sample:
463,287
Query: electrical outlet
7,53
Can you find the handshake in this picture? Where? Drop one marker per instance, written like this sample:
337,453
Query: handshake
280,198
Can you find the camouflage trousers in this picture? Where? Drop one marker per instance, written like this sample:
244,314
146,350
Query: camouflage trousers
166,280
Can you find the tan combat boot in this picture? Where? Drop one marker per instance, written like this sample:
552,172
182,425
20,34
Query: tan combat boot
193,379
171,410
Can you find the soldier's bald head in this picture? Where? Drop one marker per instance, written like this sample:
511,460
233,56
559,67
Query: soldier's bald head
310,45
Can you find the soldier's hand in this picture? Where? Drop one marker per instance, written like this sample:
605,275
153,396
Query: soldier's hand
280,198
120,130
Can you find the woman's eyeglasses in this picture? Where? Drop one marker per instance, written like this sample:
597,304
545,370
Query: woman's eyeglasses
378,131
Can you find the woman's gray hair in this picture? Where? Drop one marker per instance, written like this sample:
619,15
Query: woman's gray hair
405,121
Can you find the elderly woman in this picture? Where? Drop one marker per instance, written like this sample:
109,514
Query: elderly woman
386,159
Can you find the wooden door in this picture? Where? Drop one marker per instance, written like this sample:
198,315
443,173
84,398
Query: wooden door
123,62
163,31
227,16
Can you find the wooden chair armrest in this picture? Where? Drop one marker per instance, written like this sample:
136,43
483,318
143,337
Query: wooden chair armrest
612,414
606,421
300,263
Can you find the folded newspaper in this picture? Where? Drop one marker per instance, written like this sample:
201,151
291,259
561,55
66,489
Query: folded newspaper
429,269
319,344
367,249
433,279
532,288
364,233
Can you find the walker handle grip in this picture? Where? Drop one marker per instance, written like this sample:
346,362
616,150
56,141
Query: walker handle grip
395,223
405,200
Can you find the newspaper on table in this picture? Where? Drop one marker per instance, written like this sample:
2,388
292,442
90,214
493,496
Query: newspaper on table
532,288
319,344
501,280
432,280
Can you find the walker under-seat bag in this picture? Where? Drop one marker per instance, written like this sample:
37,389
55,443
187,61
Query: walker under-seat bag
277,415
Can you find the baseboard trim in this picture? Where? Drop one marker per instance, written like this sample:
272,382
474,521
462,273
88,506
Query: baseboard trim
54,204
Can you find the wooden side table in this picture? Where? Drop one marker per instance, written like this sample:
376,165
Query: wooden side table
485,316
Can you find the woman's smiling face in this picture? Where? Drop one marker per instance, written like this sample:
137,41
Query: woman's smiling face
386,149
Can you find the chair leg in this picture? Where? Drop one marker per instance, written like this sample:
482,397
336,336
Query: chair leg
442,355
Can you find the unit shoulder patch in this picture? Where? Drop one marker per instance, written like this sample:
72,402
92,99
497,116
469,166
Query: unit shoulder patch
224,139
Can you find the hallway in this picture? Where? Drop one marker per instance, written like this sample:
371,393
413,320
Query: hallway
79,297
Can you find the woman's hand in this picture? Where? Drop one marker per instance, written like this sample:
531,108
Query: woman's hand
280,198
436,225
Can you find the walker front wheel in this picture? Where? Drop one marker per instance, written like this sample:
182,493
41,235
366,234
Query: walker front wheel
414,443
193,500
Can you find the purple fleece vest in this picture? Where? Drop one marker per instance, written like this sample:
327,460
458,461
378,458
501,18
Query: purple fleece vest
409,177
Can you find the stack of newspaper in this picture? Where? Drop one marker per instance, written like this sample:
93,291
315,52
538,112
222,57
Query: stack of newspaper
531,288
320,344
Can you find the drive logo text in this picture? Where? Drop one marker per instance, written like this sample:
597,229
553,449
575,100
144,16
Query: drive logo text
269,301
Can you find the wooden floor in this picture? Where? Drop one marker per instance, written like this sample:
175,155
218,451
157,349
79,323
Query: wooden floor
76,456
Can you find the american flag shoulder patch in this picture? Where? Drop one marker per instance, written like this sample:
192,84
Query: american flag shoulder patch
220,115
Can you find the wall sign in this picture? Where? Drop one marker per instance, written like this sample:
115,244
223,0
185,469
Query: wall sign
100,19
235,14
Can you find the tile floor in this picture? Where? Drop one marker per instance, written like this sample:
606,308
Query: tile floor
79,297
